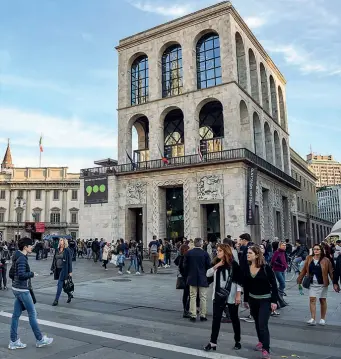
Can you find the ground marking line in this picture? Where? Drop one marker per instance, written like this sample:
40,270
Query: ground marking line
132,340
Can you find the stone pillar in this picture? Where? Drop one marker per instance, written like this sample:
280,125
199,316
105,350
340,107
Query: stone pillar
64,206
28,216
11,209
156,139
155,73
191,127
47,206
189,67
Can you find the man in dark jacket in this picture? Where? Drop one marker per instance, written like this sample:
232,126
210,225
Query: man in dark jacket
95,249
23,298
196,263
337,275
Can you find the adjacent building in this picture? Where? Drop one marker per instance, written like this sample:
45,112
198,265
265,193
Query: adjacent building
311,226
329,203
47,196
326,169
213,156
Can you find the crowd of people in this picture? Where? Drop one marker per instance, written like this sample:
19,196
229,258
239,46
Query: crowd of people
239,271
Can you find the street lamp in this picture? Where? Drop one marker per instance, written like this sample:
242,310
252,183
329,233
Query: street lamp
19,205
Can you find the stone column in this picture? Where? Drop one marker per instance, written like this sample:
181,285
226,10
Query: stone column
189,67
10,206
47,206
28,206
191,127
64,206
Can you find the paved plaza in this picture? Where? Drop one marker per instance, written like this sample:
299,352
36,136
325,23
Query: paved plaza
140,317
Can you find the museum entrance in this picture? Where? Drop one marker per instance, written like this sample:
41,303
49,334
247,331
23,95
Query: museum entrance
134,224
211,221
175,213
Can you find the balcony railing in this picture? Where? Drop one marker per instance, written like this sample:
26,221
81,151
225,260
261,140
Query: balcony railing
98,171
234,155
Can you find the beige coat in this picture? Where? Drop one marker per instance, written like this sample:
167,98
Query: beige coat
105,254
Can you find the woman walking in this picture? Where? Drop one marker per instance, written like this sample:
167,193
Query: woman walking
227,276
21,287
260,295
133,258
105,255
279,265
317,268
62,268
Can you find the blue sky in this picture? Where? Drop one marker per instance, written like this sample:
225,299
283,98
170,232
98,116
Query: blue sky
58,71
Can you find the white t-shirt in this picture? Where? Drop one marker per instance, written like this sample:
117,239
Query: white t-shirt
315,281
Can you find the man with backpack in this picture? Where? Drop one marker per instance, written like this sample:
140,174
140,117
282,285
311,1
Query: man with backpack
154,246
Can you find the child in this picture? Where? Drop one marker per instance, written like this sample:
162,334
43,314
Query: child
120,261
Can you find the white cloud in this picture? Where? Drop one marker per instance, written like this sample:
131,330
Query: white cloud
174,10
26,127
255,22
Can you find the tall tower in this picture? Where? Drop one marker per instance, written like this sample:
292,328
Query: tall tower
7,161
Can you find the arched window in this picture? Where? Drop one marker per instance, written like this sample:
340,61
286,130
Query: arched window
265,88
172,71
208,61
268,143
253,75
241,62
273,99
285,156
140,139
278,151
174,136
139,80
211,127
283,116
258,136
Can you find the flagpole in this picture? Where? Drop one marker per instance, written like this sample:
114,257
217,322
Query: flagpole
39,158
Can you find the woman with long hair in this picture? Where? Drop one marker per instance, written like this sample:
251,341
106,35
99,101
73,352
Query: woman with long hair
260,295
317,268
227,276
62,268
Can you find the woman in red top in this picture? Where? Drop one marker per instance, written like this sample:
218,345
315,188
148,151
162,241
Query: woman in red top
279,265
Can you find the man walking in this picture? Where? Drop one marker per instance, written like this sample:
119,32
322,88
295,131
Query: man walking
196,263
95,249
154,246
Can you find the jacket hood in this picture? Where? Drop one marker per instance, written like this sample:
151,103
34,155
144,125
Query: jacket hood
17,254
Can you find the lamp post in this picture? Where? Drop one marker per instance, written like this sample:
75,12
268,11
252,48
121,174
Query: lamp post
19,205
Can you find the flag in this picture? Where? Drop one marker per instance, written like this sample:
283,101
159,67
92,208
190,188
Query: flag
133,164
200,154
163,158
41,144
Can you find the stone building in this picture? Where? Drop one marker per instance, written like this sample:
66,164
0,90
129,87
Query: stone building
311,226
48,196
209,108
326,169
329,203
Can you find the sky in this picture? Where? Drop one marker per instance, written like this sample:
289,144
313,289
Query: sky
58,71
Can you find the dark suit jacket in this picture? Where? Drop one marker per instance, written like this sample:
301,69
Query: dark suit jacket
196,263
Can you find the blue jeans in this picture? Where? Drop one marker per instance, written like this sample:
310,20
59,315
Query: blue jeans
133,262
24,299
281,280
60,285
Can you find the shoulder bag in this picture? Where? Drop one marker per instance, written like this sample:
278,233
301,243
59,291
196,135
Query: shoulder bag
180,282
306,281
222,296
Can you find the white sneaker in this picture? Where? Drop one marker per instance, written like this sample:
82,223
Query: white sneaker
16,345
106,268
138,273
128,272
120,273
322,322
44,342
311,322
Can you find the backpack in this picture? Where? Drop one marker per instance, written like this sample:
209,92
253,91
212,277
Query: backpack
11,272
153,248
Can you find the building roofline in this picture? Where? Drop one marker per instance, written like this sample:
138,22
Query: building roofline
200,15
300,162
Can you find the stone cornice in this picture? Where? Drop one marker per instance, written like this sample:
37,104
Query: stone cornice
28,185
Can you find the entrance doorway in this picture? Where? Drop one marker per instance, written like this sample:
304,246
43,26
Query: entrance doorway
175,213
134,224
211,221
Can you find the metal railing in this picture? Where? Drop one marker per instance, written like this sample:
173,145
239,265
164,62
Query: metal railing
233,155
98,171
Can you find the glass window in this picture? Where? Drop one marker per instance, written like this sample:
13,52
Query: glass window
174,134
3,194
36,216
208,61
2,217
139,80
172,71
74,195
38,194
55,218
20,193
56,195
74,217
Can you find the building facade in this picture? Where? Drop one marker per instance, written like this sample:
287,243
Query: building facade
47,196
312,227
329,203
208,105
326,169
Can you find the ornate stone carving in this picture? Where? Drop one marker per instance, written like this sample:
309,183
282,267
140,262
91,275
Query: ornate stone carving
136,193
277,198
210,187
156,213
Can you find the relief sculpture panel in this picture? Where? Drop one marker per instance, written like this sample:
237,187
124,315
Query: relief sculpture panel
210,188
136,193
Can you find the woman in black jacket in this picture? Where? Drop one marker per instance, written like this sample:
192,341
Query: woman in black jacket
260,295
227,276
62,268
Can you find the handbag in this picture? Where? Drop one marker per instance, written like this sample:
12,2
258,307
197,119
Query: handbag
223,294
306,282
68,286
180,282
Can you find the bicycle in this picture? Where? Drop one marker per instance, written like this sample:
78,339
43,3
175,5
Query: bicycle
292,271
